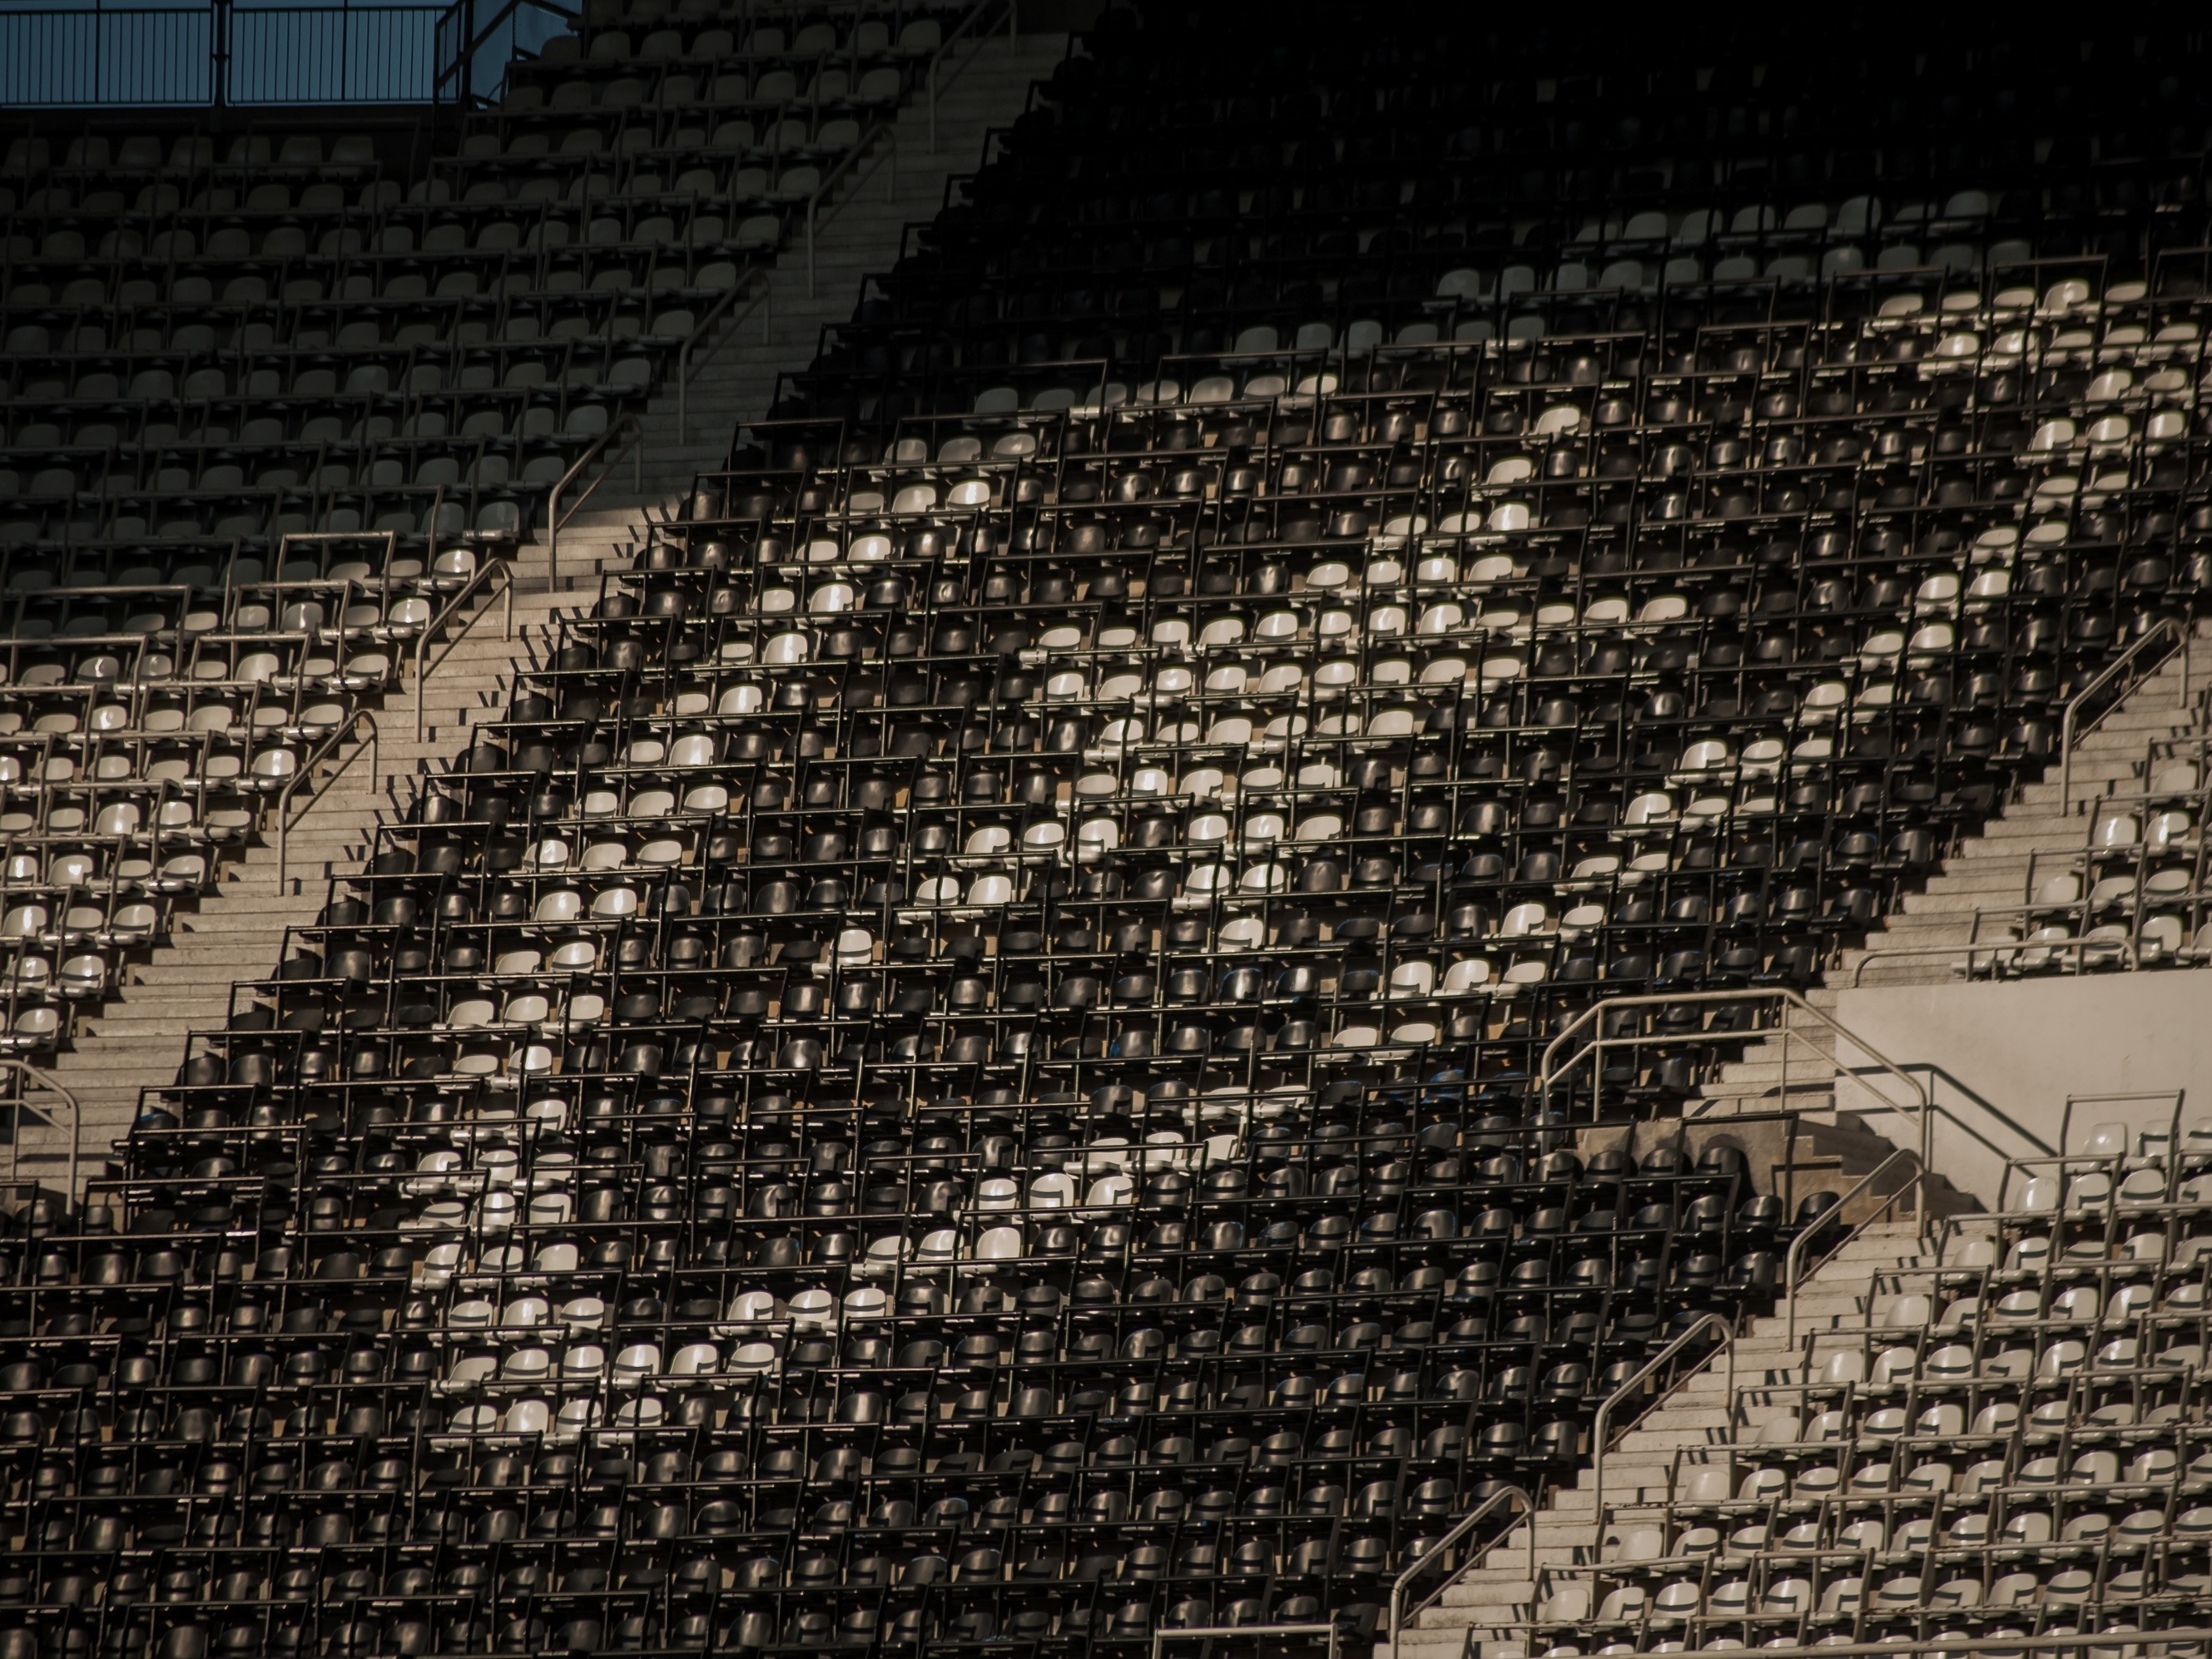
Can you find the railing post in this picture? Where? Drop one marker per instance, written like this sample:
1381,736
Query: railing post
1601,1425
219,47
1395,1612
23,1068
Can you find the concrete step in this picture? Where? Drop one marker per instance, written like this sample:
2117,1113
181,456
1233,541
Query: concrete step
1479,1605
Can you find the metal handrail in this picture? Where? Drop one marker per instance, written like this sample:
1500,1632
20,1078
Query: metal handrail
328,746
1604,1419
683,364
423,662
944,48
1791,1258
553,504
1547,1076
2115,1641
1204,1632
635,421
465,54
2068,731
50,1082
850,159
1399,1614
1995,947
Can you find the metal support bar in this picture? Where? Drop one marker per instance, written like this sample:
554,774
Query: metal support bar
2071,728
1792,1260
1604,1419
331,745
1249,1633
1399,1614
423,664
1546,1074
45,1080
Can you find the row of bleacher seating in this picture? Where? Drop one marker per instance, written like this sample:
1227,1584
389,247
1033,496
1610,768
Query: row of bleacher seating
961,1065
2012,1443
268,402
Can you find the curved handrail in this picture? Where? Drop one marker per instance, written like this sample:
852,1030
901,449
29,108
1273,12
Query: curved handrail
1996,947
814,216
423,662
2068,729
845,164
328,747
54,1085
2169,1639
1399,1614
1251,1633
683,364
945,50
635,420
1546,1076
1791,1257
1604,1419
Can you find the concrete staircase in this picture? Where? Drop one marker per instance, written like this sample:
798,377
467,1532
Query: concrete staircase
1479,1614
1990,870
734,377
137,1041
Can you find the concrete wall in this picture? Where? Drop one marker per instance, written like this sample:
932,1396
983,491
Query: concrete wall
2000,1059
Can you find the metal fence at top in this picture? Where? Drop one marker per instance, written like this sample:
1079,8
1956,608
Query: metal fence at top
61,56
199,53
341,54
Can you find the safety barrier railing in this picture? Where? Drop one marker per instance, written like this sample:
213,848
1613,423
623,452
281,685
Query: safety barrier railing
221,54
328,746
2073,726
1793,1259
54,1085
1552,1069
1603,1422
1399,1614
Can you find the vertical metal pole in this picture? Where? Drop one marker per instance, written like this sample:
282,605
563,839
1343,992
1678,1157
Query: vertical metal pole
219,40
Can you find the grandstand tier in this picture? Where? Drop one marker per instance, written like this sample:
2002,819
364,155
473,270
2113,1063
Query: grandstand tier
1172,964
